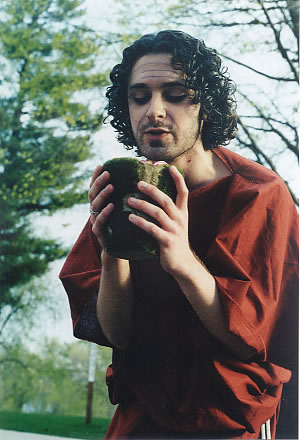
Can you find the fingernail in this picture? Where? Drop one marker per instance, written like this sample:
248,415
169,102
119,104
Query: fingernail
103,175
143,185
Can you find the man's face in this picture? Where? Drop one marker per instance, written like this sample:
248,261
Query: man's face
164,121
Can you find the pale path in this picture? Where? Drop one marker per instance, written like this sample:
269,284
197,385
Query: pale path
15,435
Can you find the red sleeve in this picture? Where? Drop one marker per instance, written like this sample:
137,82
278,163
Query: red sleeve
254,259
80,276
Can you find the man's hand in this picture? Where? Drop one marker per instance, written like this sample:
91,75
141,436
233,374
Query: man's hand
100,190
172,232
115,298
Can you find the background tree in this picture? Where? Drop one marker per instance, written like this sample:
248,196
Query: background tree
54,380
259,41
47,62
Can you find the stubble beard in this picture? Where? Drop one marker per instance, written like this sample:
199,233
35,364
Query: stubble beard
167,151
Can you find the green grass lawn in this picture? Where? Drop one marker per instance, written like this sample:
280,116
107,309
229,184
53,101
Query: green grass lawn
65,426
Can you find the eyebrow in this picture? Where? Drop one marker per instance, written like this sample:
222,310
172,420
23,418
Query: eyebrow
165,85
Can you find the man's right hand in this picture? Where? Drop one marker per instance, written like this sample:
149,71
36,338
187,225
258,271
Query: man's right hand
100,191
116,294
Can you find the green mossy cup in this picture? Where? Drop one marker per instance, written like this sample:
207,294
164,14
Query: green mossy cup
122,239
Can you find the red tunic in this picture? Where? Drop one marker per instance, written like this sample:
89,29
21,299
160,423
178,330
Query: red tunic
176,380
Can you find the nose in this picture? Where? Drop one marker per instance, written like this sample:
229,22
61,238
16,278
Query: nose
156,109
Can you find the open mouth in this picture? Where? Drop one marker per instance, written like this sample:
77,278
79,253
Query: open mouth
156,133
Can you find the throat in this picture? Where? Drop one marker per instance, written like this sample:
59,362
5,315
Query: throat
201,170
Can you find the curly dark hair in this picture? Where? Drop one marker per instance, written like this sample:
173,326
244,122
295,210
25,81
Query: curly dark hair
205,74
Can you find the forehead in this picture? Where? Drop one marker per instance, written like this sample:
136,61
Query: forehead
154,67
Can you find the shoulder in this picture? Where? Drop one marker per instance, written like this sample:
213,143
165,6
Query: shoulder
252,176
256,194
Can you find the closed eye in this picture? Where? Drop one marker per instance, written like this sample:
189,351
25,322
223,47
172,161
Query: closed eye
170,98
140,101
175,98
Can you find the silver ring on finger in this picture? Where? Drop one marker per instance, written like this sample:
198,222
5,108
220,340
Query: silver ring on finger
95,213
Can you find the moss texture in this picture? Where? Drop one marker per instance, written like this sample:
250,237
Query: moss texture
122,238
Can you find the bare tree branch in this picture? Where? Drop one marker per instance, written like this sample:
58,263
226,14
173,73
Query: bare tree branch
255,148
280,46
286,19
260,154
12,312
290,146
293,8
276,78
265,130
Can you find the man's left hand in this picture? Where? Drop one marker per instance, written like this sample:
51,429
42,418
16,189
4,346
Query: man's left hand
172,232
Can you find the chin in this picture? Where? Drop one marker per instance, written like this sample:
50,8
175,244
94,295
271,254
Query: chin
156,144
157,155
153,152
157,150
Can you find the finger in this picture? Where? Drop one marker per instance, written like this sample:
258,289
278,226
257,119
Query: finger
98,185
151,228
151,210
182,190
96,173
162,199
101,219
100,200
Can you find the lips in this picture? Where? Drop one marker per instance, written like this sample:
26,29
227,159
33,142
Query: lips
156,130
156,133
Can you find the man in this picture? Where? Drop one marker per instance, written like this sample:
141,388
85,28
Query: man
204,339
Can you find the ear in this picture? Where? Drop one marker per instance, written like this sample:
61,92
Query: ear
202,115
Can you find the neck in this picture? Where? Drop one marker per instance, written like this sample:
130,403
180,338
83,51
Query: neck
200,167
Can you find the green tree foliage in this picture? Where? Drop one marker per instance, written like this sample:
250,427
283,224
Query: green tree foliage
48,59
53,380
